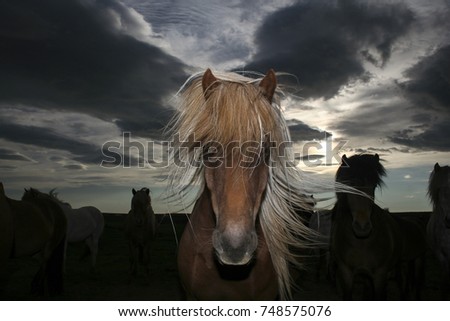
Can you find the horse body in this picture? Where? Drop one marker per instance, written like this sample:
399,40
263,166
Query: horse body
438,227
40,229
374,256
243,233
140,230
364,237
86,225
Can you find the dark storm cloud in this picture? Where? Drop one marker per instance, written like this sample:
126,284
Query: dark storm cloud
435,138
46,138
302,132
325,43
71,55
429,81
428,89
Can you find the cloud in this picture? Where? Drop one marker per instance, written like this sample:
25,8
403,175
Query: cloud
302,132
428,89
47,138
74,167
429,81
7,154
215,33
86,56
326,44
435,138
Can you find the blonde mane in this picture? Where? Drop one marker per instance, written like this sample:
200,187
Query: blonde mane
236,111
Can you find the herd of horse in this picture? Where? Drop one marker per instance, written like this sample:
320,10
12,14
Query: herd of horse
248,233
252,224
40,226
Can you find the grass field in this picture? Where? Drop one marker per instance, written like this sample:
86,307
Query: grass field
112,281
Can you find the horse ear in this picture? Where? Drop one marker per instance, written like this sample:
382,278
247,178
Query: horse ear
268,85
147,190
209,83
134,191
437,167
377,157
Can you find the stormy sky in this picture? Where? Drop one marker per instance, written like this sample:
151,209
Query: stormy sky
76,75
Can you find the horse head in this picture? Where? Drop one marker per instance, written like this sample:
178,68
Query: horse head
32,193
140,204
364,173
236,177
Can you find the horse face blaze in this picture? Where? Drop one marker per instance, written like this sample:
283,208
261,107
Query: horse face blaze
236,195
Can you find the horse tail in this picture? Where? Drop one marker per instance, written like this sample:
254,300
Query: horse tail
55,269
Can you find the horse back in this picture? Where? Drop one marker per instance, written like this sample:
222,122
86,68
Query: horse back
84,222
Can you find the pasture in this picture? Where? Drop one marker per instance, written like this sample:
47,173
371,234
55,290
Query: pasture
112,281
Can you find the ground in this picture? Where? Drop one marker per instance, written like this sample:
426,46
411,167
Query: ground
112,281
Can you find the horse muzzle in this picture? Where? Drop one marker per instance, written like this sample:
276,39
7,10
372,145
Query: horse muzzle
234,247
362,229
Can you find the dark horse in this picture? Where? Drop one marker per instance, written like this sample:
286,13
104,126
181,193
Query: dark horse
367,242
438,228
140,230
364,238
39,229
240,241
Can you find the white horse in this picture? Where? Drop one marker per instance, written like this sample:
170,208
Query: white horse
438,228
84,224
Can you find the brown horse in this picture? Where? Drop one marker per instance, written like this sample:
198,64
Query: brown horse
140,230
243,234
364,238
39,228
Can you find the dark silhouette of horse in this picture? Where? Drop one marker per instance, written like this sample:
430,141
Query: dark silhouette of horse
38,229
140,230
438,228
369,245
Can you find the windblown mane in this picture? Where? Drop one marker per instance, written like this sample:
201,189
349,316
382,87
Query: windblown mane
438,179
236,111
361,170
